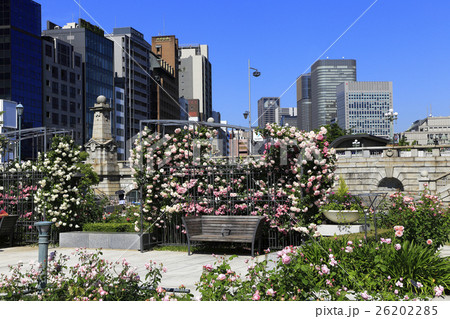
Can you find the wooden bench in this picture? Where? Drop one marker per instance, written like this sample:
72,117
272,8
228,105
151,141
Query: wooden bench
236,229
7,225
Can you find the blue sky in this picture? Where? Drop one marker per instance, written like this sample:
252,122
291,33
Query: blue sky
406,42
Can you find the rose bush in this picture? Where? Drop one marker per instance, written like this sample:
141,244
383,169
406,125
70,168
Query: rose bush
65,194
179,177
334,269
426,220
92,278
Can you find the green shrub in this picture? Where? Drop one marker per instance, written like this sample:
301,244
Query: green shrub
109,227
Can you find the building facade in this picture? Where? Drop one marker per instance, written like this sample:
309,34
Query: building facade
21,58
287,116
165,91
267,111
431,130
195,77
119,123
97,54
132,69
326,75
361,107
304,102
62,87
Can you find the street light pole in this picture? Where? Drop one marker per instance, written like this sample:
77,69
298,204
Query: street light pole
19,109
391,116
256,73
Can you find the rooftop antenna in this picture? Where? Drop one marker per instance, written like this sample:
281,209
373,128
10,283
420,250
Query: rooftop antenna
431,110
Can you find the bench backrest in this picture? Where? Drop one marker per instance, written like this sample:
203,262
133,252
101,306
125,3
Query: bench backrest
222,225
7,224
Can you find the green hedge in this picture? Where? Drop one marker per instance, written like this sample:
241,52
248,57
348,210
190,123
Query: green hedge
109,227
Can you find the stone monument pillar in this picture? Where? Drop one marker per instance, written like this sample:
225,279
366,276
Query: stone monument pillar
102,149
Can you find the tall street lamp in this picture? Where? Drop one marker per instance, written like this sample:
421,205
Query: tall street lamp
391,116
19,110
256,73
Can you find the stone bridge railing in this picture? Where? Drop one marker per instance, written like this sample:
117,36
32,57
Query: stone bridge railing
395,151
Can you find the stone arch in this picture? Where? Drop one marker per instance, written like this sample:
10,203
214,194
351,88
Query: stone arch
391,183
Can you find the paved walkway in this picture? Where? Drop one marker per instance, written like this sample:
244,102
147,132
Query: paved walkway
181,268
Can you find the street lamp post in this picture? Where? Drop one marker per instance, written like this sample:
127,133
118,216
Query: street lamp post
391,116
256,73
19,110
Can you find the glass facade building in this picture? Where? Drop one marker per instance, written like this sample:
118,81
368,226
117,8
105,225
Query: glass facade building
21,58
325,76
361,107
267,111
98,70
304,102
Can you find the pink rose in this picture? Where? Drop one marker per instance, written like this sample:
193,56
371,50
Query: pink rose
208,267
429,241
256,296
271,292
286,259
221,277
398,246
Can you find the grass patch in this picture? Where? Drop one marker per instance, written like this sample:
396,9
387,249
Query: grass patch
209,248
383,232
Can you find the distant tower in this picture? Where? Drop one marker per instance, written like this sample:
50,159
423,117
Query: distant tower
304,102
195,77
267,111
325,76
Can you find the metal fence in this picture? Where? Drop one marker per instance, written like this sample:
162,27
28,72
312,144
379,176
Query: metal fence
238,199
17,191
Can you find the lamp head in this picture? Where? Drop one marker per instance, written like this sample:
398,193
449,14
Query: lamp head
245,114
256,73
19,109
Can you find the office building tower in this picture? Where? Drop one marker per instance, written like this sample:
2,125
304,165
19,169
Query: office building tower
304,102
132,65
164,64
97,54
326,75
195,77
21,59
267,111
361,107
62,87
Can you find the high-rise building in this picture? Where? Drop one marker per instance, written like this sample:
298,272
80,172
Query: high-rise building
304,102
195,77
97,54
164,64
62,87
325,76
361,107
132,64
21,58
267,111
